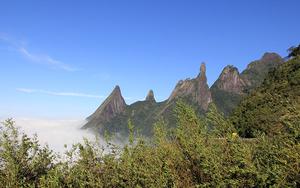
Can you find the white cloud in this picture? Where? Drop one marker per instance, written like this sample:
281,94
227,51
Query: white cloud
45,59
71,94
19,46
55,133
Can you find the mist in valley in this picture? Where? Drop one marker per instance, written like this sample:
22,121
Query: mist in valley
56,132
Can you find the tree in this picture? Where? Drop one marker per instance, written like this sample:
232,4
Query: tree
22,160
220,126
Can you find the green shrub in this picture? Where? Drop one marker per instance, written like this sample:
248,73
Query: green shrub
193,155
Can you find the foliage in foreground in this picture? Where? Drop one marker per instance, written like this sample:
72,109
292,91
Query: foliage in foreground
198,153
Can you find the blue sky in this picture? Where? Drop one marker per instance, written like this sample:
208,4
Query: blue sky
62,58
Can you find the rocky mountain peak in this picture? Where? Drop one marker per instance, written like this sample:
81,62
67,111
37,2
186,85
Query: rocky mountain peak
202,74
226,93
229,68
113,105
116,92
268,59
203,94
150,96
196,89
271,57
230,80
203,69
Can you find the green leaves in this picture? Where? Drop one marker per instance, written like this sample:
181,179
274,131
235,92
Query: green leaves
267,109
23,161
200,152
220,126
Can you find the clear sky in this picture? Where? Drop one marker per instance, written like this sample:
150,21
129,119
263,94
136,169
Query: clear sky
62,58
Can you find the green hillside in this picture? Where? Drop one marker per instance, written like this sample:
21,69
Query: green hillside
272,107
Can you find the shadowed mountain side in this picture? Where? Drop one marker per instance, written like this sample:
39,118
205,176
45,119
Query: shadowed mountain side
143,115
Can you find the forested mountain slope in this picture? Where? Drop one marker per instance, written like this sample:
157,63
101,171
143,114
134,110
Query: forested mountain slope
274,106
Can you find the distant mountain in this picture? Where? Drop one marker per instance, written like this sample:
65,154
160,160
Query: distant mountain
113,114
195,90
231,85
228,90
274,106
113,105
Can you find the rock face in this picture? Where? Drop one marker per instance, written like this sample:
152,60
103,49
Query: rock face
230,81
110,108
228,89
231,86
150,96
226,93
197,89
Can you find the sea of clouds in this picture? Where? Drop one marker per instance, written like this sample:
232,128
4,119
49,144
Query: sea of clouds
55,133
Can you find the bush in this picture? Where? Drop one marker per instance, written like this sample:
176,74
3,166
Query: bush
193,155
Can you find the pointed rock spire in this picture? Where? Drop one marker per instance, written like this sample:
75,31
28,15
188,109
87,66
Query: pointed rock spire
150,96
202,75
113,105
116,93
203,69
197,89
203,95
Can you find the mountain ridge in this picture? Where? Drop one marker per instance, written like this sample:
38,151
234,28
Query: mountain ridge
226,93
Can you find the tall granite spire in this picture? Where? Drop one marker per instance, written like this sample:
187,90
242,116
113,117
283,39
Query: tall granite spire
150,96
196,89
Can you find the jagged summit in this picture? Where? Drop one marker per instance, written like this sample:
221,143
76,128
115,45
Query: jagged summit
230,80
116,92
226,93
202,73
150,96
203,69
229,67
113,105
196,89
228,89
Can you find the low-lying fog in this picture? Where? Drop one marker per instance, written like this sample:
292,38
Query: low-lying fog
56,133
